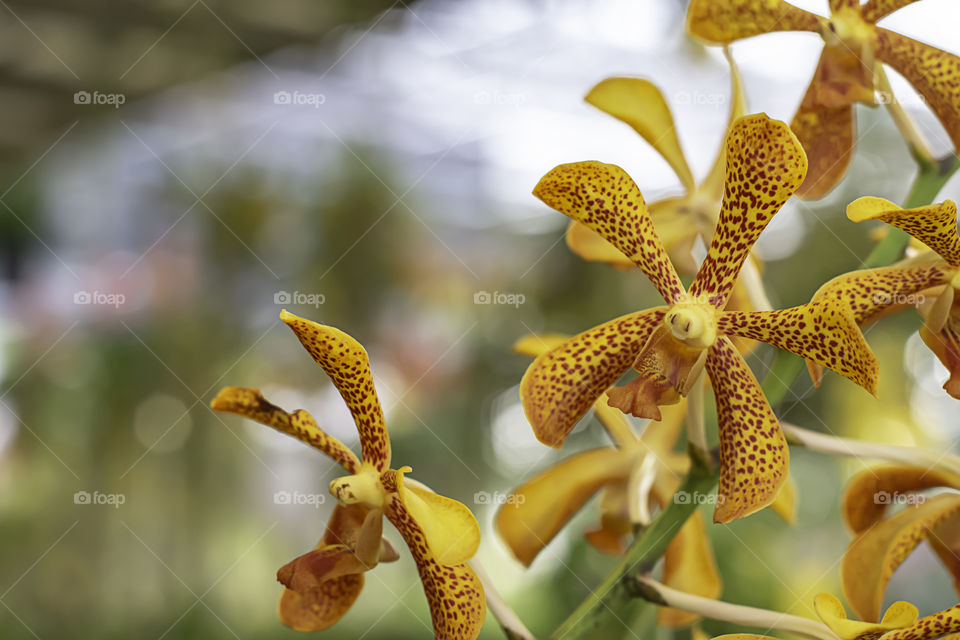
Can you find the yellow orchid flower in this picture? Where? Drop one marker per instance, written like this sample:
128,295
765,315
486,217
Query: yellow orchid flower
854,48
678,220
669,346
883,543
535,512
441,533
871,292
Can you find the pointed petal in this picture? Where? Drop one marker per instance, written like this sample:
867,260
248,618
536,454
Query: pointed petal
590,245
537,510
689,567
869,492
831,611
561,385
754,458
872,557
765,165
723,21
874,10
712,185
934,225
640,104
346,362
605,198
938,625
785,504
934,73
825,332
454,593
321,607
250,403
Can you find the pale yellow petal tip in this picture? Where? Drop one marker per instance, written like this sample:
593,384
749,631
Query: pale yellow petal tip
900,614
228,398
535,344
869,208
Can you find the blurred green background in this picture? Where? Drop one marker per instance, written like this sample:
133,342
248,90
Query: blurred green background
369,166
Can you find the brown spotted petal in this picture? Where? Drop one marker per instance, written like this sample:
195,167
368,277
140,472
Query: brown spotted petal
754,458
765,165
346,362
874,10
723,21
938,625
561,385
934,225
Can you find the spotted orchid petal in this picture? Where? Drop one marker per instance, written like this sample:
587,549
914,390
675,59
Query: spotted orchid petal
944,624
873,556
868,493
934,73
689,566
250,403
605,199
454,592
830,609
640,104
754,458
346,362
934,225
765,165
825,332
537,510
874,10
561,385
723,21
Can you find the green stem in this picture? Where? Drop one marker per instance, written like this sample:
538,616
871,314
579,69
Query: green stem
604,611
781,375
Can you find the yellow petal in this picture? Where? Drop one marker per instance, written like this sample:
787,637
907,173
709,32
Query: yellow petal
321,607
679,224
455,595
605,198
712,185
825,332
560,386
537,510
346,362
831,611
450,530
723,21
874,10
590,245
868,493
873,556
934,73
250,403
640,104
939,625
689,567
785,505
536,344
765,165
934,225
754,458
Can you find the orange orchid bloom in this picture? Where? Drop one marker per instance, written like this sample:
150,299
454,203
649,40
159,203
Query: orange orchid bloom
441,533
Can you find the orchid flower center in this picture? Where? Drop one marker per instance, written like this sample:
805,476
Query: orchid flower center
694,324
846,27
363,487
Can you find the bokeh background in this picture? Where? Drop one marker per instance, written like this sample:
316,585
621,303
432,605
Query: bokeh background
173,173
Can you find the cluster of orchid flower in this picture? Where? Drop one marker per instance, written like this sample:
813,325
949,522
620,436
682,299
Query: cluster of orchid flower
704,329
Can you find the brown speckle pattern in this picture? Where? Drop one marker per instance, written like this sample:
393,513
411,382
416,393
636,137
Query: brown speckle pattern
934,626
874,10
723,21
934,225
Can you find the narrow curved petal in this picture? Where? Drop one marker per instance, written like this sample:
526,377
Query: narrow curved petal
830,609
765,165
934,225
712,185
689,567
606,199
590,245
250,403
448,526
938,625
455,594
560,386
723,21
754,458
537,510
825,332
874,10
346,362
868,493
934,73
945,344
319,608
872,557
640,104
